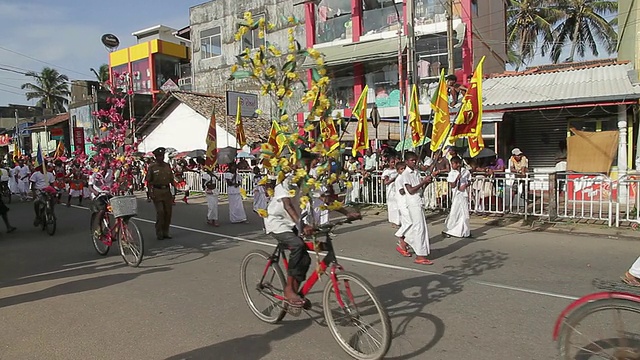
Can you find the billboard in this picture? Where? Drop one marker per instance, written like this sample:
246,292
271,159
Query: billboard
248,103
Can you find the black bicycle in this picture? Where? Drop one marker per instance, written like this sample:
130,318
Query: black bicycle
47,217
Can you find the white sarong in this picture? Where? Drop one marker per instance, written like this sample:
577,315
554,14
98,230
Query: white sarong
236,209
212,205
417,236
457,223
259,198
392,205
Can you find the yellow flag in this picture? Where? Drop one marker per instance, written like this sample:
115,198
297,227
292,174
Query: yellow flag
441,117
241,138
361,141
417,130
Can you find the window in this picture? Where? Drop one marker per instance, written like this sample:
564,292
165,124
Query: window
251,39
474,7
333,20
211,43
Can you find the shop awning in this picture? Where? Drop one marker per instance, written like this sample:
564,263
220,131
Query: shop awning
359,52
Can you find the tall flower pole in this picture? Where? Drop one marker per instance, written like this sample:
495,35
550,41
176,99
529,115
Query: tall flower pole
277,73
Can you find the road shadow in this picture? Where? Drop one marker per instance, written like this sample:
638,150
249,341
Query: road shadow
406,301
76,286
254,346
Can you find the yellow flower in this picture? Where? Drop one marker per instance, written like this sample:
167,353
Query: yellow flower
309,127
320,61
234,68
323,81
284,117
270,192
336,205
243,193
237,36
260,34
292,48
258,112
281,91
261,22
290,31
292,193
262,212
349,185
304,201
313,53
291,57
273,162
322,71
281,177
288,93
292,76
263,181
247,15
311,182
271,26
291,20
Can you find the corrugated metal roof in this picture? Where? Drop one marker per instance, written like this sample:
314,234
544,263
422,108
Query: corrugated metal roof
616,82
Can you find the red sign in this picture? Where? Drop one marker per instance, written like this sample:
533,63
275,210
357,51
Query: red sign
78,139
4,140
590,188
56,132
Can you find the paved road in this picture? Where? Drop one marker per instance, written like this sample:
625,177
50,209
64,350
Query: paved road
492,297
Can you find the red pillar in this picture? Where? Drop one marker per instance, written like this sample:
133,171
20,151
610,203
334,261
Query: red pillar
310,23
356,20
467,44
358,81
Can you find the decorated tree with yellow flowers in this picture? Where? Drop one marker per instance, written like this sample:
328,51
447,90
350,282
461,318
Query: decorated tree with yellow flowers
279,73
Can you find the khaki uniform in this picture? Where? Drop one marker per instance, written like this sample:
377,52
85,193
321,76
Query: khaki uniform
159,178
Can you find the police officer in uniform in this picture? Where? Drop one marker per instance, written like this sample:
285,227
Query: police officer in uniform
160,177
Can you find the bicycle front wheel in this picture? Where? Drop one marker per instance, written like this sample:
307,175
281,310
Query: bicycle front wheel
100,232
131,243
50,222
260,286
602,329
360,325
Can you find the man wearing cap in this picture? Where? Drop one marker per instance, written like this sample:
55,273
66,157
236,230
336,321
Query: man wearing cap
159,178
519,165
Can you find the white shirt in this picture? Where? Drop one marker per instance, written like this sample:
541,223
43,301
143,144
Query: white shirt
411,178
4,174
465,178
278,220
370,162
96,182
206,177
232,190
398,184
23,173
392,174
40,181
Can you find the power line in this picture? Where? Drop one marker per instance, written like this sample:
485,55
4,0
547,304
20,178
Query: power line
12,92
11,86
42,61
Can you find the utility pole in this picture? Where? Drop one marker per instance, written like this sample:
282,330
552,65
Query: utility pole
451,66
411,46
400,73
17,132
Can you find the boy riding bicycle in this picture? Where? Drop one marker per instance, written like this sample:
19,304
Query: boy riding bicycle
40,182
283,222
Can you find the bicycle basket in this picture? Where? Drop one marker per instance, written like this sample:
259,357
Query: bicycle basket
124,206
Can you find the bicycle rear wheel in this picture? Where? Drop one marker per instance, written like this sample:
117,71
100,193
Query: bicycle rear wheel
130,243
259,291
100,231
602,329
362,318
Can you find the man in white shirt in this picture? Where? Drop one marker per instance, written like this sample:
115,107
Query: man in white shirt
417,236
39,181
22,178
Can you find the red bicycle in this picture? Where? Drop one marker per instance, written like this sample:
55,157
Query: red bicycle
353,296
603,325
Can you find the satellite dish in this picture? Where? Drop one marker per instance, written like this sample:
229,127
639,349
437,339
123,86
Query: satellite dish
110,41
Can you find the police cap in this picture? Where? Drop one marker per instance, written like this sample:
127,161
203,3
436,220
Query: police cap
159,151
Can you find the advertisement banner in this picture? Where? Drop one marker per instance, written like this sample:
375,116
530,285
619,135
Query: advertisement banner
78,139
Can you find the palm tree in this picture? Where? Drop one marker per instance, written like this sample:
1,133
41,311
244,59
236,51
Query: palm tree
584,26
51,89
103,73
528,21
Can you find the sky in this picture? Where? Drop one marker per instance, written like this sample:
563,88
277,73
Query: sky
65,34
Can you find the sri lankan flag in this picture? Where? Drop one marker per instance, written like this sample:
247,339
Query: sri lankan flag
277,138
212,144
417,130
60,150
329,133
240,136
17,154
441,117
361,141
468,123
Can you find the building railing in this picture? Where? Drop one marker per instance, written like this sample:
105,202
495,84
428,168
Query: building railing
555,196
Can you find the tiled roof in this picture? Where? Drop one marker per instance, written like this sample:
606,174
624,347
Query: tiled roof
60,118
548,87
256,129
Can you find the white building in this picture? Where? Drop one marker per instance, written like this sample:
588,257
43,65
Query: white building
181,120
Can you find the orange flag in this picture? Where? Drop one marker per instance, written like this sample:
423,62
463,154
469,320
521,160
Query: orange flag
361,141
212,144
240,136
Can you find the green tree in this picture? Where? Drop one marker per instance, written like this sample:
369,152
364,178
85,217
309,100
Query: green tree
50,88
583,26
528,22
103,73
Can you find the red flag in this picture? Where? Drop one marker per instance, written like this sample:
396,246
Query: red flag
212,144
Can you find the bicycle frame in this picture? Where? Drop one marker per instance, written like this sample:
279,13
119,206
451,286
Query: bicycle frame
117,227
589,298
328,262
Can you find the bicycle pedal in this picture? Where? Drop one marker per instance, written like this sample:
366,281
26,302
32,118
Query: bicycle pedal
294,311
307,304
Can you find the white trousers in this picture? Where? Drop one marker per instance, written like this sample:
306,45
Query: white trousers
405,220
418,236
212,207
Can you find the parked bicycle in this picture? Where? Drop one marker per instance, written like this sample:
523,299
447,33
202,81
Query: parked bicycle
111,221
353,296
46,215
603,325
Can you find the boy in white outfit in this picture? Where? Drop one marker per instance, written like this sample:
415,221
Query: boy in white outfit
405,218
211,193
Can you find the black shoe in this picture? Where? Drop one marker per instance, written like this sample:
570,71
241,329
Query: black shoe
167,236
11,229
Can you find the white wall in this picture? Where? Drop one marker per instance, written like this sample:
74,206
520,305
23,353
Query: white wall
184,129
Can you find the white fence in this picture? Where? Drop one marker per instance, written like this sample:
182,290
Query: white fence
571,196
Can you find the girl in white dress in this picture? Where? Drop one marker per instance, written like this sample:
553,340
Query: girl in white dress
211,192
457,223
259,191
388,177
237,214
